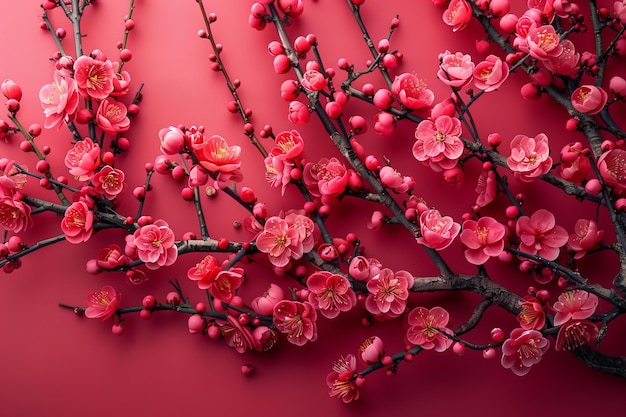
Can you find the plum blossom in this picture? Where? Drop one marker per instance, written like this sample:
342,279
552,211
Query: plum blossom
371,350
586,236
330,293
486,187
217,156
612,167
314,80
574,305
438,142
59,101
221,284
265,303
362,268
529,156
540,235
279,241
94,77
455,70
458,14
239,337
340,381
388,292
83,159
589,99
532,315
490,73
328,177
522,350
14,214
278,172
575,333
110,257
427,328
102,304
109,181
298,113
543,42
172,140
296,320
155,244
112,116
567,62
391,178
437,231
484,239
77,223
412,91
288,146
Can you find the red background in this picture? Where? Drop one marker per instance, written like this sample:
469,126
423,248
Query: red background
54,364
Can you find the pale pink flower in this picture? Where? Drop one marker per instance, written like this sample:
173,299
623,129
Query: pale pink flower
574,305
111,116
437,231
296,320
530,157
341,382
217,156
94,77
102,304
589,99
586,236
412,91
77,223
155,244
567,62
264,304
109,181
427,328
458,14
172,140
490,73
83,159
484,239
371,350
59,101
388,292
540,235
438,142
575,333
313,80
330,293
543,42
456,69
532,316
279,241
288,146
238,336
486,187
612,167
522,350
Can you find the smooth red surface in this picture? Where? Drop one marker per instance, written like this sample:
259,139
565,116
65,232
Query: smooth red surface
55,364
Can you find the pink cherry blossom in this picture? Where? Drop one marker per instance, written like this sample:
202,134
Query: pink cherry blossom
217,156
438,142
437,231
279,241
490,73
487,188
391,178
83,159
111,116
388,292
522,350
540,235
574,305
589,99
289,146
264,305
327,177
102,304
612,167
427,328
94,77
533,315
313,80
11,179
330,293
109,181
155,244
278,172
458,14
305,228
567,62
14,214
340,381
412,91
529,156
455,70
77,223
371,350
586,236
59,100
296,320
619,7
298,113
484,239
543,42
576,333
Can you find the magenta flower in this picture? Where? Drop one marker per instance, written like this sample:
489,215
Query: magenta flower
109,181
530,157
412,92
278,172
204,272
313,80
288,146
484,238
490,73
458,14
612,167
532,316
486,187
110,257
94,77
543,42
172,140
239,337
575,333
522,350
455,70
586,237
264,305
371,350
112,117
296,320
225,284
59,100
329,176
574,305
102,304
437,232
83,159
77,223
298,113
330,293
14,214
279,241
540,235
388,292
427,328
589,99
121,83
340,381
438,141
216,156
567,62
155,244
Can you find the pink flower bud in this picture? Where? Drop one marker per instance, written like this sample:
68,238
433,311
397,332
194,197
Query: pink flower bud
358,125
617,85
589,99
383,99
499,7
259,210
11,90
445,108
508,22
301,45
313,80
531,91
196,323
333,109
172,140
371,350
454,176
298,113
289,90
359,268
328,252
247,195
282,64
384,123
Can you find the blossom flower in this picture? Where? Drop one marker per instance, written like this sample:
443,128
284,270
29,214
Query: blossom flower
112,117
412,91
109,181
279,241
438,142
575,333
612,167
458,14
567,62
77,223
59,101
155,244
217,156
11,90
328,177
224,284
194,138
586,237
313,80
522,350
296,320
371,350
14,214
532,316
11,179
288,146
110,257
589,99
102,304
94,77
388,292
484,238
619,7
490,73
238,337
305,228
529,156
617,85
455,70
391,178
172,140
384,123
574,305
437,232
330,293
121,83
487,188
83,159
264,304
340,381
204,272
427,328
543,42
278,172
298,113
540,235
